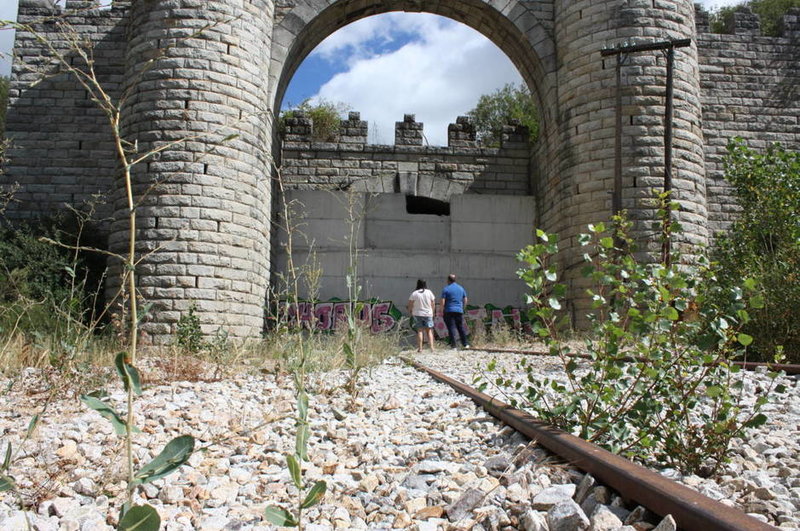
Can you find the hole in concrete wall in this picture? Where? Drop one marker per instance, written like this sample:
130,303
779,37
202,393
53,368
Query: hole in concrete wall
425,205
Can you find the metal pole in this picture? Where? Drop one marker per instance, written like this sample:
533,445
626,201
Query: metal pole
668,122
616,196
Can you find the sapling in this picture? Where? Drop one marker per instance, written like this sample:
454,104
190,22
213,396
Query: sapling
658,383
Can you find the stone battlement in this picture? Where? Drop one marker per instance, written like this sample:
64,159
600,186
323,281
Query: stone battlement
438,172
745,22
204,78
354,131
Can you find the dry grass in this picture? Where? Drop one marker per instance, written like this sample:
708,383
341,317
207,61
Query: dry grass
80,368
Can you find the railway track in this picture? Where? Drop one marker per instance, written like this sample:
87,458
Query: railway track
746,365
690,509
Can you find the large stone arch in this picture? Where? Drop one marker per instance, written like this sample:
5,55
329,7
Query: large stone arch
522,30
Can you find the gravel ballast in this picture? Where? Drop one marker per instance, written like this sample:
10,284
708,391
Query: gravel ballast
406,453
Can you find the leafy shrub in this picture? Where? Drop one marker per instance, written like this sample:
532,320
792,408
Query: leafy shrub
327,117
764,243
189,336
42,280
678,400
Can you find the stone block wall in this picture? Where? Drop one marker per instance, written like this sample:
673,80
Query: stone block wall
407,167
61,150
751,89
209,218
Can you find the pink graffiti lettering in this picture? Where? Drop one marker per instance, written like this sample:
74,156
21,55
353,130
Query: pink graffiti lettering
322,313
382,321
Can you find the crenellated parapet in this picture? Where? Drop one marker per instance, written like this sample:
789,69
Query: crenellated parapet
354,130
408,132
789,25
203,229
744,22
346,160
299,127
462,133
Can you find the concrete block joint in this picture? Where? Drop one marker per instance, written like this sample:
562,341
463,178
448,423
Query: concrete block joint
209,207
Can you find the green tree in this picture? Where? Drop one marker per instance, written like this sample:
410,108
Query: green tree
769,11
764,242
327,116
493,111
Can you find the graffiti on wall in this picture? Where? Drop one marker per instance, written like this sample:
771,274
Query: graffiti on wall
491,316
379,316
382,316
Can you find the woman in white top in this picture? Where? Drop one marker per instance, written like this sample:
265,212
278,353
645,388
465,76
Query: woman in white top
421,306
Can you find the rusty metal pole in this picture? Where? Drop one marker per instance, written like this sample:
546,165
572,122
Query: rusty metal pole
666,245
670,52
616,197
667,47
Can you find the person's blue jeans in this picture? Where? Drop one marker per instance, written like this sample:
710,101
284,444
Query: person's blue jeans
455,324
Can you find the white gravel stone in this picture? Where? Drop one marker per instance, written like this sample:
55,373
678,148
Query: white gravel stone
405,447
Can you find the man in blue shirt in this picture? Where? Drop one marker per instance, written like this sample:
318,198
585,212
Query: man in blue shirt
454,302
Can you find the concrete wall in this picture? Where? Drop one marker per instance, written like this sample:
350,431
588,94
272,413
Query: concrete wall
478,242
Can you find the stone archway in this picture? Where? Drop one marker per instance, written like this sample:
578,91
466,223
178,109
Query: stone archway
227,66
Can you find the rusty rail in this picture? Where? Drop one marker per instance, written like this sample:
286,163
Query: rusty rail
691,510
746,365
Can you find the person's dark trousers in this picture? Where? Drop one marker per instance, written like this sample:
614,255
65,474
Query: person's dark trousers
455,324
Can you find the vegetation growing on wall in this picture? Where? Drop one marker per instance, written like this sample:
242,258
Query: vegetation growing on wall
764,243
495,110
326,115
770,12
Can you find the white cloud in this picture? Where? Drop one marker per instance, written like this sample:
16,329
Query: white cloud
437,75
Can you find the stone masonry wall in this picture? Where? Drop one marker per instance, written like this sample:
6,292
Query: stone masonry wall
750,88
407,167
61,149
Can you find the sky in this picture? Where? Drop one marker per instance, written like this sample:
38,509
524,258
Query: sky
390,65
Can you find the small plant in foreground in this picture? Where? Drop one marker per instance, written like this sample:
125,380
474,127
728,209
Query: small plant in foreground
174,454
6,480
658,383
306,497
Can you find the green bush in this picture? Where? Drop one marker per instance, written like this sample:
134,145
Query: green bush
770,13
46,287
327,117
658,384
764,243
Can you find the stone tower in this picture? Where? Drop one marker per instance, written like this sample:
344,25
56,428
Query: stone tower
197,75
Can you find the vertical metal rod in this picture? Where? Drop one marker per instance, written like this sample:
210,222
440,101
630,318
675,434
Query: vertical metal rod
666,251
616,197
668,122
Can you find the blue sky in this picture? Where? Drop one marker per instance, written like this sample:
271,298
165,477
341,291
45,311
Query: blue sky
390,65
